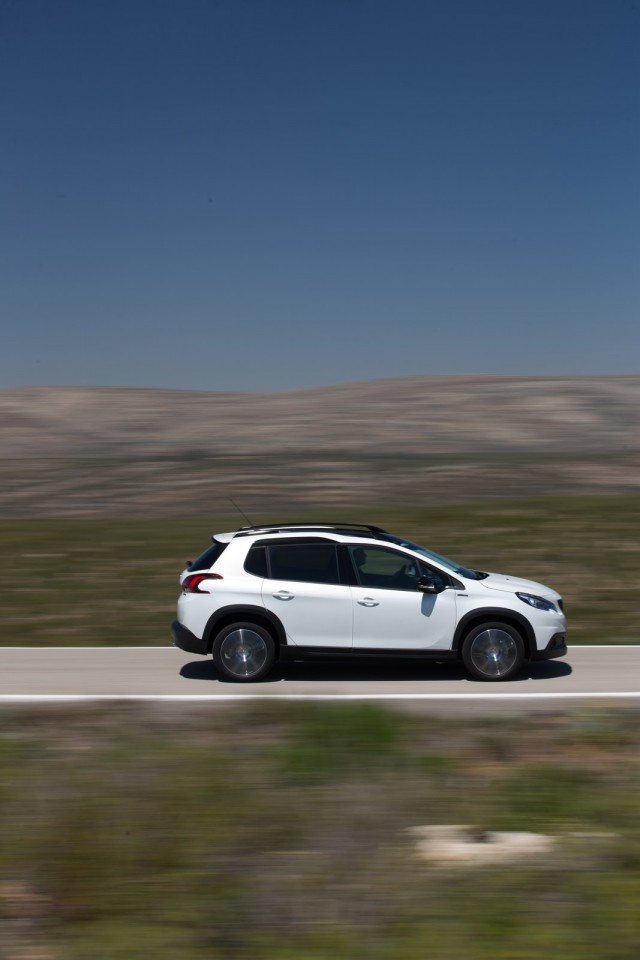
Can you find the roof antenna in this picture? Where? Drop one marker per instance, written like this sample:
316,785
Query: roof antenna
242,514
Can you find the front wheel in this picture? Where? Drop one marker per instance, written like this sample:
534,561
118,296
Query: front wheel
493,651
243,652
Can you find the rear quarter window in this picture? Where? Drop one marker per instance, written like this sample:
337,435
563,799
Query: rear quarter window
256,562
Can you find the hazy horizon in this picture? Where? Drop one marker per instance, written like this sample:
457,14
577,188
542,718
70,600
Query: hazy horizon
471,377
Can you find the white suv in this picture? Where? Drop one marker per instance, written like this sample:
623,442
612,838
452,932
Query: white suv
301,591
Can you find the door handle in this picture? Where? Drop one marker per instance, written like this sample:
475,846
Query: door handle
283,595
368,602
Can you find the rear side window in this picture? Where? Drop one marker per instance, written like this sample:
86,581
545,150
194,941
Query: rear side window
207,559
302,560
308,562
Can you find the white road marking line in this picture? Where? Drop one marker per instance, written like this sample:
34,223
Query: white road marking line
186,697
166,646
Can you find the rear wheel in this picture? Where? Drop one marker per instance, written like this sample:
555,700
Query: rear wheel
493,651
243,652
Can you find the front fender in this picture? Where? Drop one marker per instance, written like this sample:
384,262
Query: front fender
475,617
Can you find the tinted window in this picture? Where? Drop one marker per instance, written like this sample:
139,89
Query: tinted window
311,562
256,562
384,568
207,559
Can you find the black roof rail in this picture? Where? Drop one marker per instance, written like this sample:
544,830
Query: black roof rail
318,525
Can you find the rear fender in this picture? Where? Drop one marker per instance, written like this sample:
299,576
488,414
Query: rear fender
244,612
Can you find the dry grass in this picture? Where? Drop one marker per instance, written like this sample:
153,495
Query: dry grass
285,831
98,581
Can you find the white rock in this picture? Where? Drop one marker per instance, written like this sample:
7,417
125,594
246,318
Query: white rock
458,843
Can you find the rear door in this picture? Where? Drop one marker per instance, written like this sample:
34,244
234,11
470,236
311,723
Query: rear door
302,588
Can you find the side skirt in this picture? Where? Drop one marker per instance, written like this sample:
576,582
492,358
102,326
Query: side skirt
355,653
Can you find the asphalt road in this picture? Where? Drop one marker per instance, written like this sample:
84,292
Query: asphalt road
58,674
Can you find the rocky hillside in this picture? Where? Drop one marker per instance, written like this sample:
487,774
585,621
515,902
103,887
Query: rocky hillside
416,415
111,452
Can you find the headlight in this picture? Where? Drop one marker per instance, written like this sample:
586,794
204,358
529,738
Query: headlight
538,602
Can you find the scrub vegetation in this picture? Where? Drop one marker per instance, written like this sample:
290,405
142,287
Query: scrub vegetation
285,831
115,581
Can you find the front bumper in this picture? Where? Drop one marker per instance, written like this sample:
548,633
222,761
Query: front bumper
557,647
186,640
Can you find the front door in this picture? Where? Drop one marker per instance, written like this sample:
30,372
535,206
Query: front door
390,612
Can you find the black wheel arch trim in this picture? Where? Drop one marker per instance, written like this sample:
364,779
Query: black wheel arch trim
243,611
476,617
368,653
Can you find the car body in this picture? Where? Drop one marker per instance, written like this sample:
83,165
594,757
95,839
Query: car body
325,590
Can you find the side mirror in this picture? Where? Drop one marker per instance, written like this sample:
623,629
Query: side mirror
428,585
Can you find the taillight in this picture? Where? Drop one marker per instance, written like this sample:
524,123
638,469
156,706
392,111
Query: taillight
191,584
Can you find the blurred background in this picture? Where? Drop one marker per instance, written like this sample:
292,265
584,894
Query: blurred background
342,259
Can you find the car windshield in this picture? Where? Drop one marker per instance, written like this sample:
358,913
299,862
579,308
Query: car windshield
432,555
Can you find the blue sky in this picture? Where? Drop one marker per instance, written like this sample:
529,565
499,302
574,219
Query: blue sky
273,194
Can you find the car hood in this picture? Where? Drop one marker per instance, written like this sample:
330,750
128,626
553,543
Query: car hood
499,581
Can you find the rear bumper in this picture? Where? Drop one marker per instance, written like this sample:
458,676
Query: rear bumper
186,640
557,647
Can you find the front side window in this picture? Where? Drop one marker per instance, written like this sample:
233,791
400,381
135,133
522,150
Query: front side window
382,568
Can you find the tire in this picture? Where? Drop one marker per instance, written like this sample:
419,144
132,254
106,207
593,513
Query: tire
243,652
493,651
